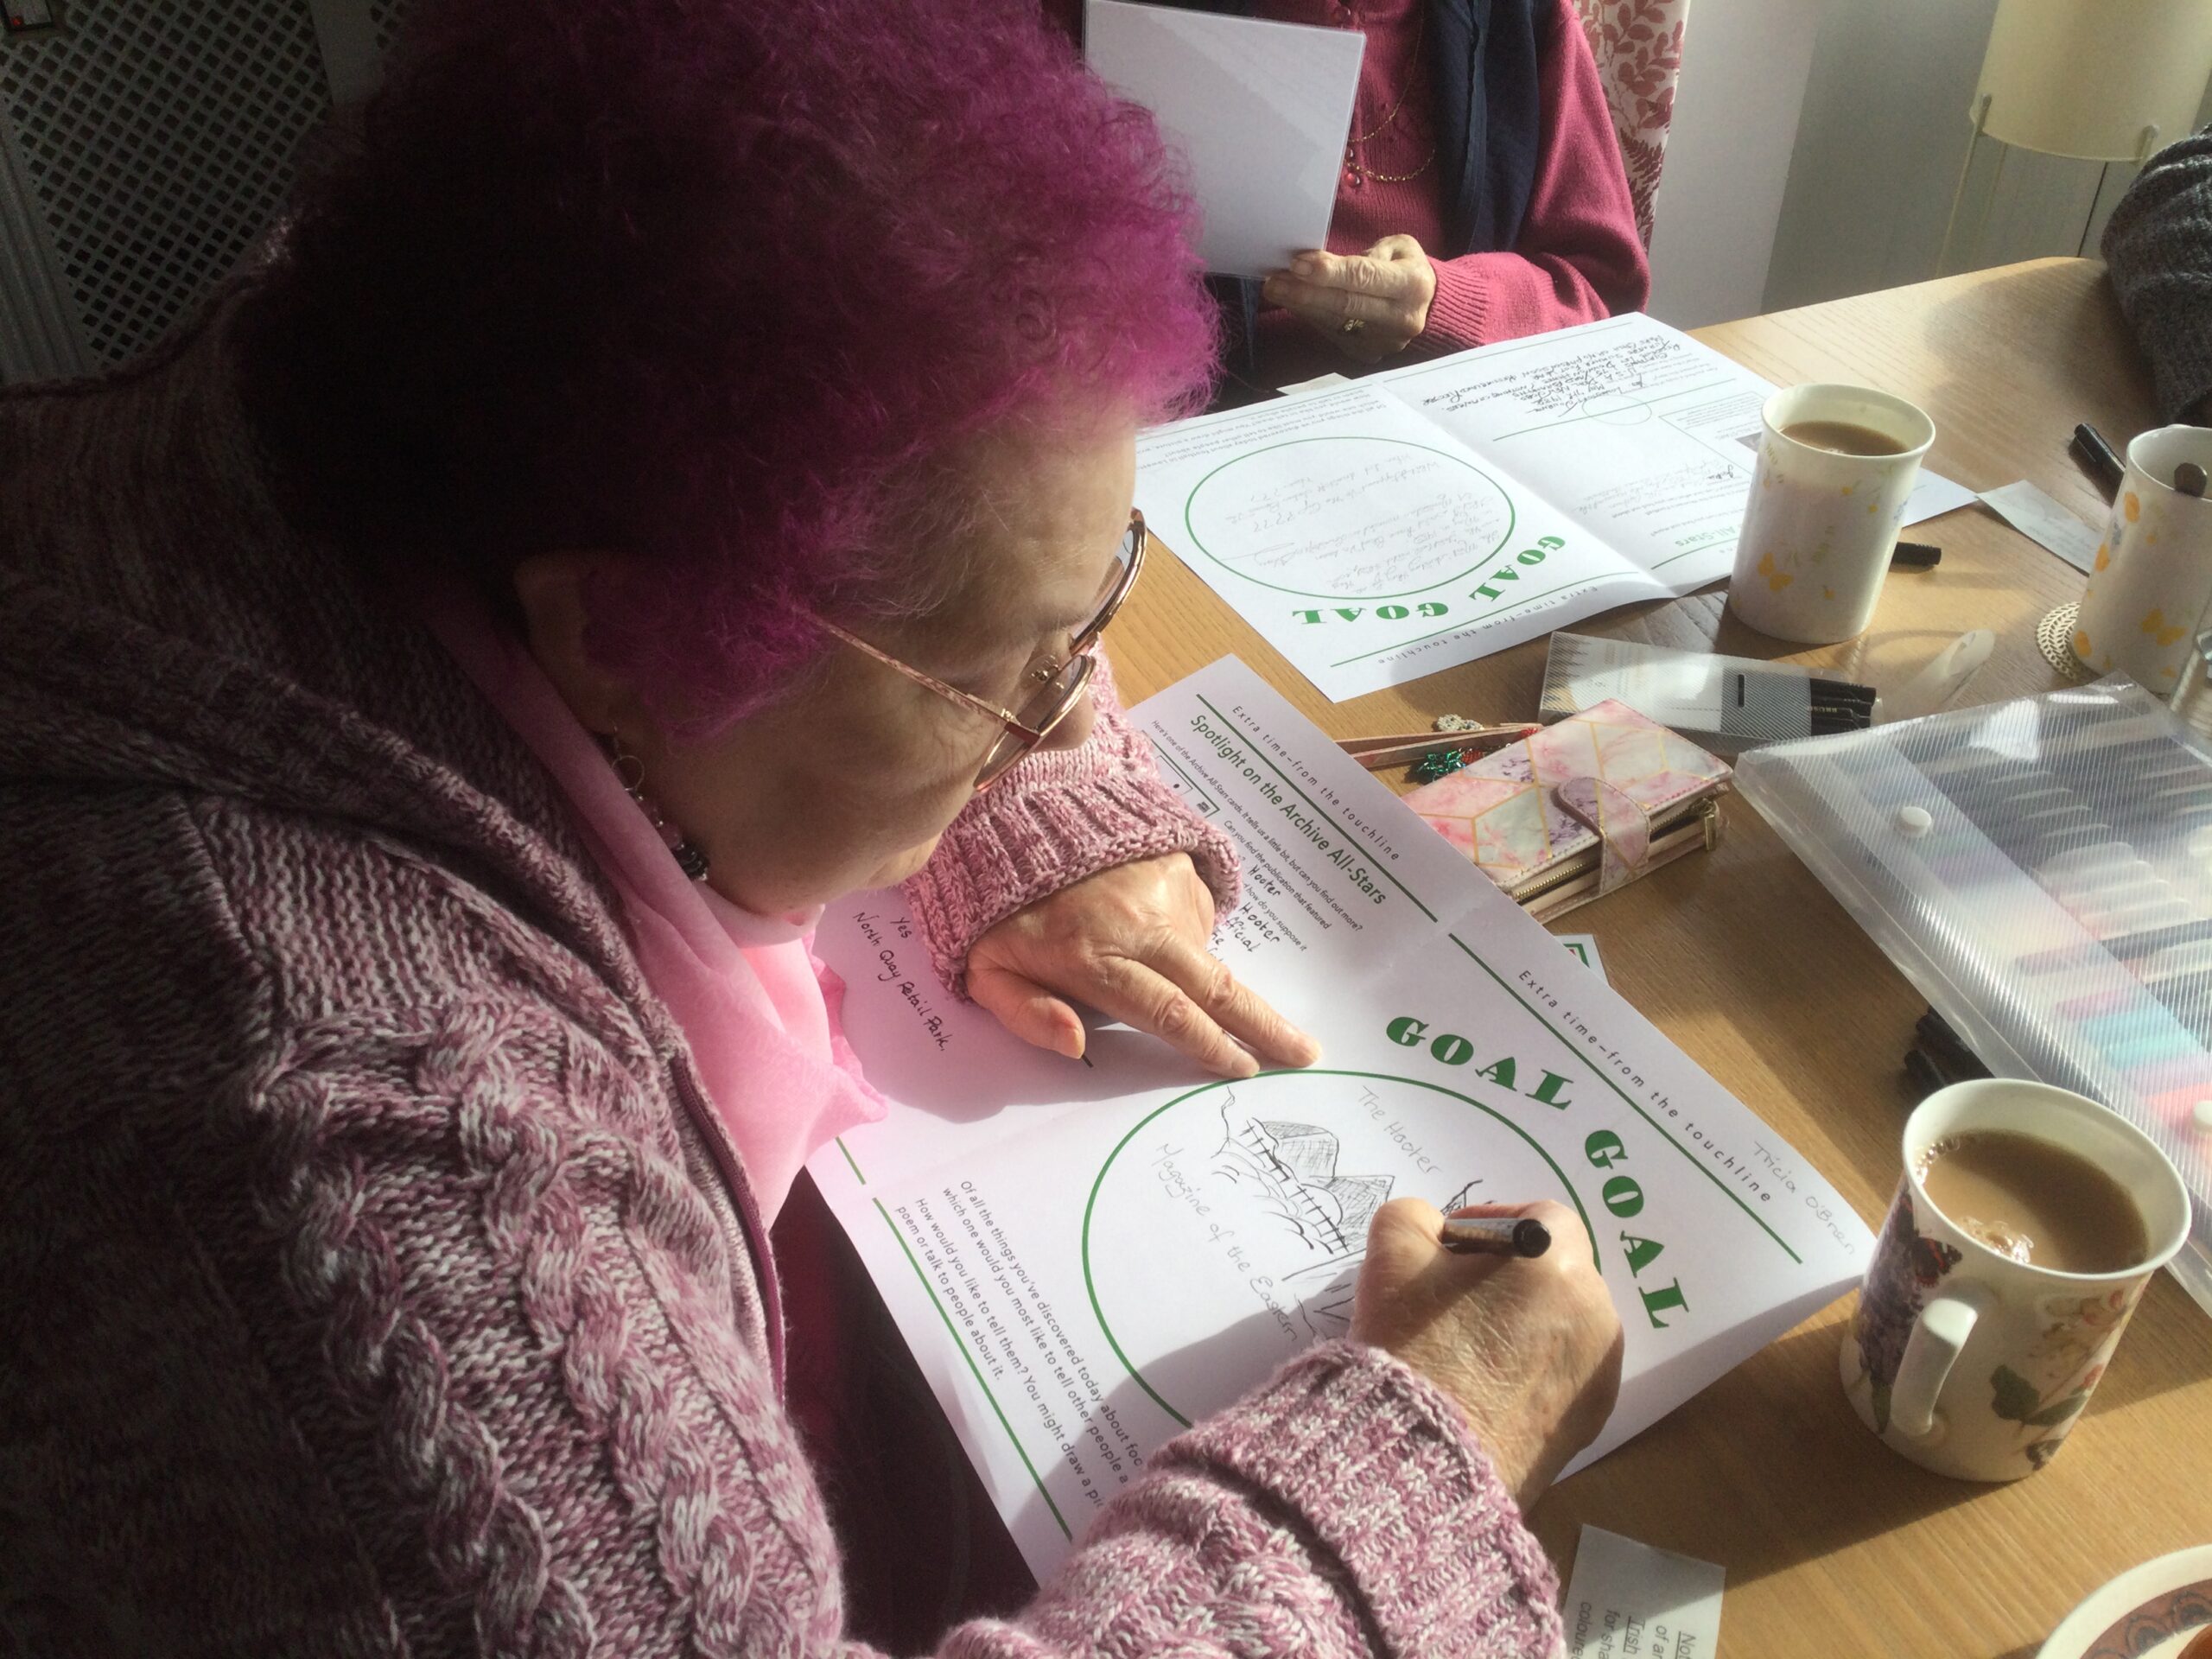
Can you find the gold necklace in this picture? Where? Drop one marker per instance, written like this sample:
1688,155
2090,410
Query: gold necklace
1361,173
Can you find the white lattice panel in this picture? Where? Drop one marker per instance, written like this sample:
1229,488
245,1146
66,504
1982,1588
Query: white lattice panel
157,138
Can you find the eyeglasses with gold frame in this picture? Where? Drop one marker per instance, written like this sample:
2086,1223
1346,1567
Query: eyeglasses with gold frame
1059,686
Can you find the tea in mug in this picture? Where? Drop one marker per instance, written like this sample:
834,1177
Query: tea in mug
2034,1202
1843,438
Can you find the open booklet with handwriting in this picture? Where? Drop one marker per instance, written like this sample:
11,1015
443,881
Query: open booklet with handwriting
1380,531
1086,1256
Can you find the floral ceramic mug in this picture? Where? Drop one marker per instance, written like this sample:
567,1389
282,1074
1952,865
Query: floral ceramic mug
1972,1363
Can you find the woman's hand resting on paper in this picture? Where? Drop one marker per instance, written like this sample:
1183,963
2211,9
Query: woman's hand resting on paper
1531,1350
1387,291
1130,942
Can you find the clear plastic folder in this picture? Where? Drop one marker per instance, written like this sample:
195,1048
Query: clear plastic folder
2042,871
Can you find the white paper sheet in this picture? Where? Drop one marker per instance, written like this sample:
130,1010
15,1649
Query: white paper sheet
1646,434
2040,518
1258,109
1439,512
1086,1255
1367,544
1328,382
1583,947
1629,1601
1933,496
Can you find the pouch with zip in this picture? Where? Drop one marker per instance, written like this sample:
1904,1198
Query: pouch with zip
1580,807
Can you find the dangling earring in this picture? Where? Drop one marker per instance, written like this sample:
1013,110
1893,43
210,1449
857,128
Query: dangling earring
630,773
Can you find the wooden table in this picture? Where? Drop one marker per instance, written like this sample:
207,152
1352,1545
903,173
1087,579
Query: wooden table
1833,1545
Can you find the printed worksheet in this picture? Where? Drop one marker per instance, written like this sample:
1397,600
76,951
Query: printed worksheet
1425,517
1088,1257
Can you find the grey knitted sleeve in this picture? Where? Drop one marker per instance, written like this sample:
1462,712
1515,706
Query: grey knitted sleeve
2160,246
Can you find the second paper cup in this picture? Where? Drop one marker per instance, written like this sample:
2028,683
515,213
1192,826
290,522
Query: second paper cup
1821,527
2152,576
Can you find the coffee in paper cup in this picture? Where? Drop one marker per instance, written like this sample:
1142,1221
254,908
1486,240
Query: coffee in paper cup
2152,578
1836,464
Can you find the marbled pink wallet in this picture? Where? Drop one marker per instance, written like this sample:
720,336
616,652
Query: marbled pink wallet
1573,811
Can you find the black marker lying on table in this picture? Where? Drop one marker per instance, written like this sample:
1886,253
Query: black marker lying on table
1496,1235
2105,468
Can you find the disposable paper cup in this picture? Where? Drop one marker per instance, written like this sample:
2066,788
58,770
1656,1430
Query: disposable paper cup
1819,527
2152,575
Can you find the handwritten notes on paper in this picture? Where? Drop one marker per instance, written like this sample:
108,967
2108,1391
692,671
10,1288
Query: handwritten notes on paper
1610,373
1087,1257
1356,535
1361,517
1418,518
1647,434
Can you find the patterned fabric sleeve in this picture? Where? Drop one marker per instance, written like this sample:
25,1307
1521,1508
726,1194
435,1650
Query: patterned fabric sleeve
1058,816
522,1307
498,1315
1345,1506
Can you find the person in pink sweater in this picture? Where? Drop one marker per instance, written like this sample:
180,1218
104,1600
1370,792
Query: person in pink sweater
672,471
1481,194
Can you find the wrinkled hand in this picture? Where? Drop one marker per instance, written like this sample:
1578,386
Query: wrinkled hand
1387,290
1130,942
1531,1350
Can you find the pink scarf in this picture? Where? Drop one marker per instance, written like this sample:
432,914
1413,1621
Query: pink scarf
757,1007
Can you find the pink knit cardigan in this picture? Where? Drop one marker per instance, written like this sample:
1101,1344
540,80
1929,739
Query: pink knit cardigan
372,1281
1578,257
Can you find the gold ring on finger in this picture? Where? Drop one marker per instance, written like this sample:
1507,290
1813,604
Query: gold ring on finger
1353,325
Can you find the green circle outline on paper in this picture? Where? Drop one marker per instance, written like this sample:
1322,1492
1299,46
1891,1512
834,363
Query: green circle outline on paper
1512,517
1090,1205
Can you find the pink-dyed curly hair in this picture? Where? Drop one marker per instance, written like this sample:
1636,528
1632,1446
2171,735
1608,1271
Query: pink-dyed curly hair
728,285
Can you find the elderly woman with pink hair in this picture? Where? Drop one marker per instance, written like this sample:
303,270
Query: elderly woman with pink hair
674,470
